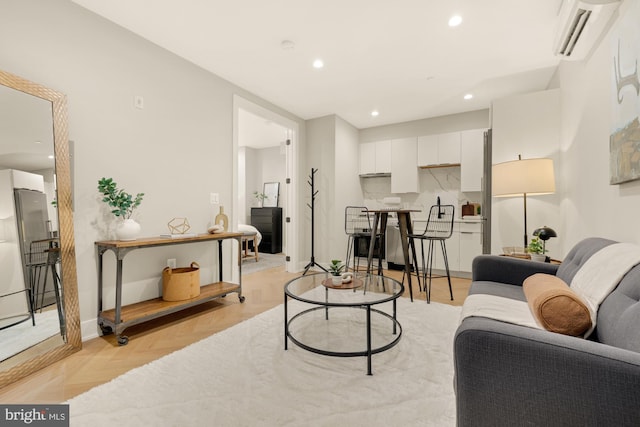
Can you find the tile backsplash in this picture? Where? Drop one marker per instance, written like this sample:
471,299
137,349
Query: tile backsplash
434,183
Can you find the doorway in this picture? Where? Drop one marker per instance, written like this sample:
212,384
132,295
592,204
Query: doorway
259,132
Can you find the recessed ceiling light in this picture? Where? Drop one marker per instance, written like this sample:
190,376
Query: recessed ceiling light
50,157
375,113
318,63
455,20
468,96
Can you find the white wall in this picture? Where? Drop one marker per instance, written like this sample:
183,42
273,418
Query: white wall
593,207
347,186
528,125
321,156
177,150
332,148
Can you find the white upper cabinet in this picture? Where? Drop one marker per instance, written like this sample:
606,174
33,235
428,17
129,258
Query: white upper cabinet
375,158
471,159
367,158
449,148
404,168
383,157
427,150
441,149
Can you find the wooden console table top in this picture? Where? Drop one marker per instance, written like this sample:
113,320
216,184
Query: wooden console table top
160,241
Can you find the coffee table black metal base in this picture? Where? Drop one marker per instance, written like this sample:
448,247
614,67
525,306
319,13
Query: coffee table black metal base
328,306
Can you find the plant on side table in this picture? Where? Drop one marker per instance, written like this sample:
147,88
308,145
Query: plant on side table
536,250
123,204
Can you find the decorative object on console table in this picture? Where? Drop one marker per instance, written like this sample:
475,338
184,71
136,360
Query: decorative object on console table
531,177
268,221
178,227
222,220
123,205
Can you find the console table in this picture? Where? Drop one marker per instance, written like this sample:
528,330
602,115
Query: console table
116,320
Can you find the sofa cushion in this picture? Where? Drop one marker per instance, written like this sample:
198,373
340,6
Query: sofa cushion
497,289
619,314
555,306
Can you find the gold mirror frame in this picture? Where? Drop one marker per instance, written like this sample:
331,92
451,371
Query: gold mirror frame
65,220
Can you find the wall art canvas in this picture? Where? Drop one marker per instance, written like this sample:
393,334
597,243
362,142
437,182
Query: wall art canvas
624,142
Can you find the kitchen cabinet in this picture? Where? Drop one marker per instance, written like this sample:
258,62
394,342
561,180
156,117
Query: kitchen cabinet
471,160
470,241
404,168
438,150
375,158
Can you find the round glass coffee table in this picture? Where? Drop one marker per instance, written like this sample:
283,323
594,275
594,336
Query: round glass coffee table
340,320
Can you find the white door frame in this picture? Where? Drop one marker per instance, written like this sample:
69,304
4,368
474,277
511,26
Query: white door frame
291,208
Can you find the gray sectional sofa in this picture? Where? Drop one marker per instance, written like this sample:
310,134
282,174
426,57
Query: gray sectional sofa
511,375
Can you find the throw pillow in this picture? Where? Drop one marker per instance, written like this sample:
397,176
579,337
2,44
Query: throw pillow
555,306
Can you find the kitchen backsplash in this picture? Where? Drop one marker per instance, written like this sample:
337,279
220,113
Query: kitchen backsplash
434,182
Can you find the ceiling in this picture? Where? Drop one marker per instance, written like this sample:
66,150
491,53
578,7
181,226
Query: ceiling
397,57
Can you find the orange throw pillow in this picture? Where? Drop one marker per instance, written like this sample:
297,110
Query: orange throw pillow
555,306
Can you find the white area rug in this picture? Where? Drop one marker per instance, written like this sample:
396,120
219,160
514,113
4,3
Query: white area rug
24,335
243,377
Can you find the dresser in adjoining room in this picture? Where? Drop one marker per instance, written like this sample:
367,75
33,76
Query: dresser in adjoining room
269,222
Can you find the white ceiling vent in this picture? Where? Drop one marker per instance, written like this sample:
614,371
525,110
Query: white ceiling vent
581,24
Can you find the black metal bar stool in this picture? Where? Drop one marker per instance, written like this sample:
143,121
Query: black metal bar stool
357,226
439,228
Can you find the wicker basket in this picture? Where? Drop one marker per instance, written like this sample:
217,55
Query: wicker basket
179,284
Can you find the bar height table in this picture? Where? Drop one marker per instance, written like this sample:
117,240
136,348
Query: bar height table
404,224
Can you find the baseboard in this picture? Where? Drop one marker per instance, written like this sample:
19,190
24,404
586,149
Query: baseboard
89,329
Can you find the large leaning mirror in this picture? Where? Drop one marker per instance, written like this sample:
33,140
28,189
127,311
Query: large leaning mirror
39,314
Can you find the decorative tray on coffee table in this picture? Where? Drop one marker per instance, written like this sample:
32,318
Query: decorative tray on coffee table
353,284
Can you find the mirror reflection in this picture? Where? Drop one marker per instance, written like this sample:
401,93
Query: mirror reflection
31,299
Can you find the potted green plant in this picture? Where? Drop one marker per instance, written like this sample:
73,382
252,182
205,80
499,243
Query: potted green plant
536,250
335,269
122,205
259,197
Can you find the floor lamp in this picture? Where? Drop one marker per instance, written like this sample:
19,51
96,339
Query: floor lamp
528,177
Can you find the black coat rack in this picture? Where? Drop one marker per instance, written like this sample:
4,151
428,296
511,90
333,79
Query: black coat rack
312,206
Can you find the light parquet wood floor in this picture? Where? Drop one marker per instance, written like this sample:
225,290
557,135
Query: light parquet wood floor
101,359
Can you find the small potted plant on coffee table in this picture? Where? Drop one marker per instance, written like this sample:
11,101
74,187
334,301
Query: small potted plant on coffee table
335,269
536,250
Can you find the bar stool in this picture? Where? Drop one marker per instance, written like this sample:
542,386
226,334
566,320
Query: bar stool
357,225
439,228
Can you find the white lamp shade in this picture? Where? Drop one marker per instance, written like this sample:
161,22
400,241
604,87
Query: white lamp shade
518,177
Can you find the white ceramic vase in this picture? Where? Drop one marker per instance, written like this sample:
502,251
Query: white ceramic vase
128,229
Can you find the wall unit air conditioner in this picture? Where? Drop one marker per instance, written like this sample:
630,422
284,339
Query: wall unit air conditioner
581,23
